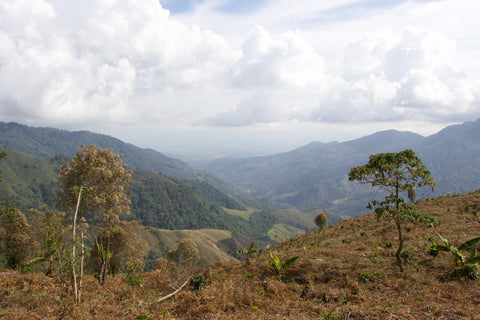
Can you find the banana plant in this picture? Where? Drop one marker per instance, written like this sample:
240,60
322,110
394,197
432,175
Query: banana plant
279,268
459,257
249,253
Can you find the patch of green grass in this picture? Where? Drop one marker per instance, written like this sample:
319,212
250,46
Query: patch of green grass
281,232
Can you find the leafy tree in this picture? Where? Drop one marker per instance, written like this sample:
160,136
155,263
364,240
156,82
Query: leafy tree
395,173
186,254
321,220
14,235
92,185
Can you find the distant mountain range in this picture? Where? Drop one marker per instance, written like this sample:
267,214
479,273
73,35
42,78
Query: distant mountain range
316,175
313,176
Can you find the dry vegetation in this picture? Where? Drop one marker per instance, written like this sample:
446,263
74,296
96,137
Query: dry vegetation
345,271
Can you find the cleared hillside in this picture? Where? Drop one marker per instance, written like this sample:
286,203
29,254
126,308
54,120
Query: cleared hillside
346,271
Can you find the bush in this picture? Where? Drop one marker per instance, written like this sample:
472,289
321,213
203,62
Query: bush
197,282
469,271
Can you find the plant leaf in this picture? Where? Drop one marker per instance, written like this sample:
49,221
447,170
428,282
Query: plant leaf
472,256
443,248
474,260
469,243
444,240
289,262
275,259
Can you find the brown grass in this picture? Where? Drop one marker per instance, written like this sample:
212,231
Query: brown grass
328,279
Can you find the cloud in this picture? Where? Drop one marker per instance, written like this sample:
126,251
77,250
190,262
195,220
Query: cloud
126,61
91,60
258,108
287,60
393,77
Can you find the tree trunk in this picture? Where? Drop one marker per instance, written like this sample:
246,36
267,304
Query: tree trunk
76,296
399,228
400,243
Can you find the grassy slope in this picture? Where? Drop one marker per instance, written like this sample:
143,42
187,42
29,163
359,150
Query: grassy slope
327,279
209,242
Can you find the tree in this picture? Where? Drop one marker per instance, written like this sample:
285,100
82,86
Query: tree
126,247
186,254
3,154
15,235
395,173
93,185
321,220
50,232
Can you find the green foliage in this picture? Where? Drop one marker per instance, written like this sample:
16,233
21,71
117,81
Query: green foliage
27,182
197,282
15,235
366,277
214,195
248,253
331,316
247,275
133,277
460,256
278,267
469,271
395,173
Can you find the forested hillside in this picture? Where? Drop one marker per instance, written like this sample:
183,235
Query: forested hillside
158,201
49,142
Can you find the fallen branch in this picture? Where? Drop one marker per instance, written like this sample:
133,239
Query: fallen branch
175,292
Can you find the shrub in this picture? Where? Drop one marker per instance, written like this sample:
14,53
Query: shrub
469,271
197,282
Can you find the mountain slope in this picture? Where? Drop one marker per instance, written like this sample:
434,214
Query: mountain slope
48,142
345,271
316,175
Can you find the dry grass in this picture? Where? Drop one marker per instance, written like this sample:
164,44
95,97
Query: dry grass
328,279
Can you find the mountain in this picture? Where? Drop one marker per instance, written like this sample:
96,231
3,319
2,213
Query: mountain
316,175
48,142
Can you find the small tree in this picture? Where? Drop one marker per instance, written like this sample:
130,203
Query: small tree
15,235
93,183
186,254
321,220
126,247
50,232
395,173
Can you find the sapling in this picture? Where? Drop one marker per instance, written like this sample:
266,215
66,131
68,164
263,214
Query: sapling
279,268
249,253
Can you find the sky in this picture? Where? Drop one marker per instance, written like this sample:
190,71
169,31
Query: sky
199,79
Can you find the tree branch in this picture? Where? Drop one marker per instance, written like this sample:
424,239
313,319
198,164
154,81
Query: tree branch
175,292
